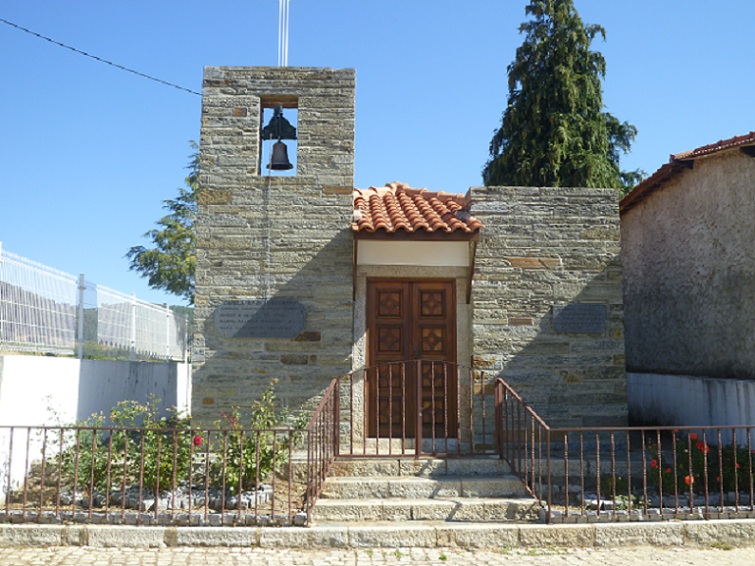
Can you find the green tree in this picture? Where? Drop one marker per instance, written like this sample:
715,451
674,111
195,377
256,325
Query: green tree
170,262
554,132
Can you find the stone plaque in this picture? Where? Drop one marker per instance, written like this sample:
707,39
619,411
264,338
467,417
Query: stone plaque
580,319
258,318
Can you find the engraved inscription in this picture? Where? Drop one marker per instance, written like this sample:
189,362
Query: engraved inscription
579,319
257,318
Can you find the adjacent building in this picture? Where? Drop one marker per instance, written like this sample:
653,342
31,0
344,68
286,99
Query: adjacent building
688,250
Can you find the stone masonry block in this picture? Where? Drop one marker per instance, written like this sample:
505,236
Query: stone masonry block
575,536
627,534
534,262
706,533
214,197
108,536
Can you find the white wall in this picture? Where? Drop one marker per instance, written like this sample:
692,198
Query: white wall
33,386
679,400
36,390
430,254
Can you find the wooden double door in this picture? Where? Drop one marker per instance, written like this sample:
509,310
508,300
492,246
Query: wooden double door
411,341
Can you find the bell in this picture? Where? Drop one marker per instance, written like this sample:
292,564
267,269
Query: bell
279,161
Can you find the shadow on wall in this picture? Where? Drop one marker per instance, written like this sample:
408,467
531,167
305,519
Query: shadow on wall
301,337
103,384
559,344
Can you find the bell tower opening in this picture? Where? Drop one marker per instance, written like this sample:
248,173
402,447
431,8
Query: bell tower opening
278,136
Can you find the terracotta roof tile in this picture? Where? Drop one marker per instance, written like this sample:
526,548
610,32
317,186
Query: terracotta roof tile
677,163
399,207
721,145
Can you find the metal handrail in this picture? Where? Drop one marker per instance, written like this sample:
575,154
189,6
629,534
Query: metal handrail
627,473
323,438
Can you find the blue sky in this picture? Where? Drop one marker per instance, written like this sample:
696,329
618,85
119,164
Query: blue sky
88,152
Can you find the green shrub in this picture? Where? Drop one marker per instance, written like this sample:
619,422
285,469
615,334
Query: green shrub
248,453
99,456
142,448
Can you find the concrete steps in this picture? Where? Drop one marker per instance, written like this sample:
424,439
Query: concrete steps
420,488
470,510
471,490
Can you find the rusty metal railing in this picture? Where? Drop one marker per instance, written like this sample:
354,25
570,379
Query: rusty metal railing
417,408
627,473
522,438
323,433
148,476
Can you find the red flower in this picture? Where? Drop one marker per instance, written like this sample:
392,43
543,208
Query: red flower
693,436
197,440
718,479
704,447
738,465
667,470
653,463
689,480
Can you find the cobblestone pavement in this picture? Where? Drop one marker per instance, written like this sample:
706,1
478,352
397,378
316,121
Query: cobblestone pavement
632,556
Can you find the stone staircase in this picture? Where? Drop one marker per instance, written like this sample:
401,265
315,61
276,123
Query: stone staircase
470,490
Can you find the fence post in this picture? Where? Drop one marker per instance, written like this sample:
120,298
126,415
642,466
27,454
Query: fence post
418,437
548,473
80,326
133,327
167,332
2,318
337,418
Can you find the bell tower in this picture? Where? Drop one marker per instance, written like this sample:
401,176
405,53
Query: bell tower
274,248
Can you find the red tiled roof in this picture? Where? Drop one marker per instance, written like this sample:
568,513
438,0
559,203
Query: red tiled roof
736,141
400,208
677,163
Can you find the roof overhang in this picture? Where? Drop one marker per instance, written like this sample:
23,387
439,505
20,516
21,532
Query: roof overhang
680,162
400,225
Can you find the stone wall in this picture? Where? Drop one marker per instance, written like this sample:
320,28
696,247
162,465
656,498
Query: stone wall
689,264
543,249
264,239
271,238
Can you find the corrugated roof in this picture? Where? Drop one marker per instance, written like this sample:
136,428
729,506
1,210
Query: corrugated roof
679,162
398,207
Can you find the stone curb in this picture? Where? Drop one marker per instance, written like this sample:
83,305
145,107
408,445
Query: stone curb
428,535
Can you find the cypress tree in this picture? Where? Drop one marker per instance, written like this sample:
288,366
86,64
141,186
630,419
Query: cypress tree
554,131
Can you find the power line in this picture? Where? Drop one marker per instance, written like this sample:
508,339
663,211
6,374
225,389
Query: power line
100,59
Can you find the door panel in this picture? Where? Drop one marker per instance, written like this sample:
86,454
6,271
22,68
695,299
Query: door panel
409,320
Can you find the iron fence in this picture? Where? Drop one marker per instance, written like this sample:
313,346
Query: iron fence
627,473
188,475
148,476
46,311
417,408
169,473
